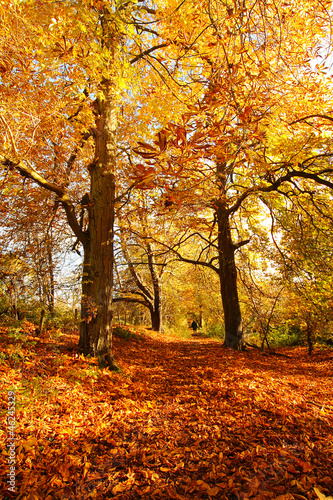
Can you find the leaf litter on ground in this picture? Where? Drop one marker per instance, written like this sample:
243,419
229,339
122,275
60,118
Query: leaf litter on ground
183,419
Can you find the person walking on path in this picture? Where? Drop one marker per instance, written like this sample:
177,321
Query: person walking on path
194,326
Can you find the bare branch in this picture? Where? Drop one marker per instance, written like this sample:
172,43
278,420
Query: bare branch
148,51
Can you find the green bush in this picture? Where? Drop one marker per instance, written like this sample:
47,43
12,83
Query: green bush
216,331
286,335
326,341
121,333
61,318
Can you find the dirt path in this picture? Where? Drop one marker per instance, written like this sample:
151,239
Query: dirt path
228,425
183,420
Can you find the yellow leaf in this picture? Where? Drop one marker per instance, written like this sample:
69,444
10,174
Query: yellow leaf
212,492
64,471
86,467
29,444
32,496
321,495
119,488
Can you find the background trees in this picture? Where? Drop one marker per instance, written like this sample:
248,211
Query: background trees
235,143
220,121
67,84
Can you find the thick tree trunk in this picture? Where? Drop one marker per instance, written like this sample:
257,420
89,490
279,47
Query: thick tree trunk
97,283
228,273
156,318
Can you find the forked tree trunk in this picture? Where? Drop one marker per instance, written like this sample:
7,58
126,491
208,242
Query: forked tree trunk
228,272
97,282
152,294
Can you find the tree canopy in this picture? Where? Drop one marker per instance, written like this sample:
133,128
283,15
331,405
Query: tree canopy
219,112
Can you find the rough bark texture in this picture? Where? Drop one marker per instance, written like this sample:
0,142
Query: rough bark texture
156,319
228,272
97,284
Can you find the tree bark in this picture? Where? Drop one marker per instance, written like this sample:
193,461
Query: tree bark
309,337
227,270
156,312
97,282
156,318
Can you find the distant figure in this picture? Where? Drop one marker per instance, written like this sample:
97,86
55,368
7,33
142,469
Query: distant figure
194,326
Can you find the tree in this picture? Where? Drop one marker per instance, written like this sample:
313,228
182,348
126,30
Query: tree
142,285
233,144
32,22
302,237
33,227
62,69
230,84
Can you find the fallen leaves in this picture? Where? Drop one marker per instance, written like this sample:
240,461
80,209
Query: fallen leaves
320,495
184,420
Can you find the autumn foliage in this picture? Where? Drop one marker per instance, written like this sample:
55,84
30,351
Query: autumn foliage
154,139
183,419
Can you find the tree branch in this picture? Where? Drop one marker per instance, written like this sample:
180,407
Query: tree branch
29,172
129,299
312,116
278,182
148,51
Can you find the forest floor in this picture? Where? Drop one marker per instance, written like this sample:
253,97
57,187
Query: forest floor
183,419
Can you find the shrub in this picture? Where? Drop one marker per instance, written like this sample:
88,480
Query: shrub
286,335
216,331
121,333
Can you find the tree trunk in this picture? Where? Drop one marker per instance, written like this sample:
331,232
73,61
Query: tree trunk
156,318
41,322
228,272
97,282
309,337
200,316
152,297
156,312
51,285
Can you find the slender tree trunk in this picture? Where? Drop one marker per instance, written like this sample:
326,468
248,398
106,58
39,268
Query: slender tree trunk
51,286
309,337
41,321
97,282
152,298
228,272
156,312
16,314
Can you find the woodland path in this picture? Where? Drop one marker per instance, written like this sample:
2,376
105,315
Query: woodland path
231,425
185,419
